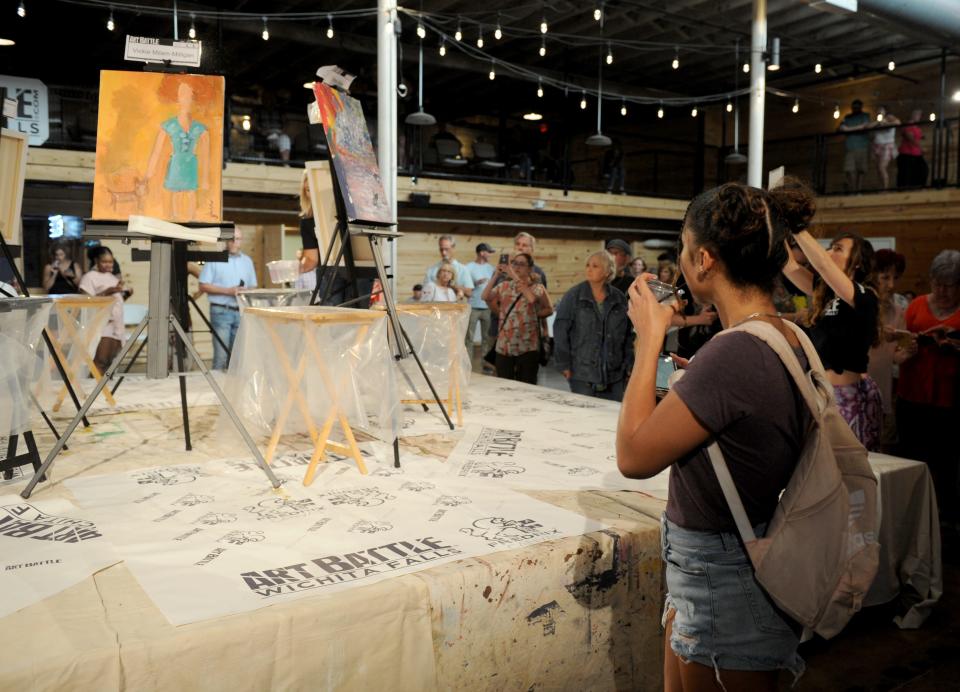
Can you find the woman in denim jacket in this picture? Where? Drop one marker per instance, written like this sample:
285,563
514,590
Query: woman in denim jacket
592,334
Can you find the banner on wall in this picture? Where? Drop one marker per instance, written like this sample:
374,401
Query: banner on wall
31,107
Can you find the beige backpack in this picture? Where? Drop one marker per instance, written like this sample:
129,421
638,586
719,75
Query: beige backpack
820,552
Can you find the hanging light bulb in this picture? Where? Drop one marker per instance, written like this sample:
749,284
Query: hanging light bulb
694,112
598,13
421,32
266,33
459,33
543,46
110,24
836,111
660,111
746,67
543,26
818,68
676,59
330,27
539,88
480,36
192,33
891,65
443,46
609,55
796,106
245,123
623,107
498,32
583,101
729,106
22,10
933,117
493,72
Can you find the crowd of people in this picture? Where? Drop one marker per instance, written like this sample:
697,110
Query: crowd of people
866,135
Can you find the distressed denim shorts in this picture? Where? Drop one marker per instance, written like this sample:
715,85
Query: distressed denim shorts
723,619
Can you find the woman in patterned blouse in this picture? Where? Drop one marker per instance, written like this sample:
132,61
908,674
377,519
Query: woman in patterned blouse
520,303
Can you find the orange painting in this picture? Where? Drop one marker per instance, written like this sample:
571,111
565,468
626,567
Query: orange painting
159,147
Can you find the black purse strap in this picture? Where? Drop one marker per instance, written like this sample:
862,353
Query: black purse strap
509,310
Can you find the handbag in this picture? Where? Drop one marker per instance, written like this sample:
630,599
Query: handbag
546,346
491,355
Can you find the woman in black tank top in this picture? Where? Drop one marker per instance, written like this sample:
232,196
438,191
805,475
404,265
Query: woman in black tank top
62,275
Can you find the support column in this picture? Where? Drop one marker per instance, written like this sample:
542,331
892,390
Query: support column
387,112
758,87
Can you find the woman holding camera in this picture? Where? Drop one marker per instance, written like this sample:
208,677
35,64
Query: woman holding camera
592,336
720,624
844,321
519,303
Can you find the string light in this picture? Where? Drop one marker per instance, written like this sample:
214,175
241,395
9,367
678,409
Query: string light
598,13
192,33
796,106
543,26
245,123
22,10
676,59
693,112
110,24
330,27
459,33
480,36
539,88
421,32
443,46
498,32
493,72
836,111
729,106
933,117
818,68
879,117
746,67
891,65
266,33
609,55
623,108
543,46
583,101
660,111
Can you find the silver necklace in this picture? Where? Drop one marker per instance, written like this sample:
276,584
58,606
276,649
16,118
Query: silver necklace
754,315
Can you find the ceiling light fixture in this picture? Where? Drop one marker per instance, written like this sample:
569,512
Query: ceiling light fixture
443,46
493,72
192,33
458,35
420,117
796,106
246,124
818,68
421,32
609,55
956,96
729,106
111,25
22,10
532,116
746,67
598,12
836,111
676,59
265,35
539,88
543,46
583,101
891,65
7,42
694,112
330,28
308,85
543,26
623,108
774,63
480,36
660,111
498,32
933,117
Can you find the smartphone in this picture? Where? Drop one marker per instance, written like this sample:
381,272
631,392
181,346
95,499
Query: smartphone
504,258
666,366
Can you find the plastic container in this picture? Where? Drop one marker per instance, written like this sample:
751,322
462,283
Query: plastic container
283,271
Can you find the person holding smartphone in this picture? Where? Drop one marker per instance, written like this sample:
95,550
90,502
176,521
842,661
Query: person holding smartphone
101,281
62,274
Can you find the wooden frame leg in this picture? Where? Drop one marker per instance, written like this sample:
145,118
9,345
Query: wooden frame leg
293,379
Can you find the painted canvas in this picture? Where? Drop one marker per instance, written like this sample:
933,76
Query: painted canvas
353,157
159,147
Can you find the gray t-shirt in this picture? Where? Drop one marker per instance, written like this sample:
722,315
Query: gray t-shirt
740,391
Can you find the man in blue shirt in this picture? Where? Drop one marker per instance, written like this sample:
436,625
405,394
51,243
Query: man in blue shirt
856,144
220,281
480,272
448,248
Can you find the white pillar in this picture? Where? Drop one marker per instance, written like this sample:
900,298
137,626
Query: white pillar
758,87
387,112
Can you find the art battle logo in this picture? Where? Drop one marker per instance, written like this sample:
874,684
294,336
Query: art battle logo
242,537
370,527
214,518
341,568
277,508
385,472
499,531
177,475
491,469
563,400
417,486
294,460
359,497
26,521
192,500
452,500
581,471
496,442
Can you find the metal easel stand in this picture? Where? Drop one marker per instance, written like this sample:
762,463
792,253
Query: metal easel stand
157,323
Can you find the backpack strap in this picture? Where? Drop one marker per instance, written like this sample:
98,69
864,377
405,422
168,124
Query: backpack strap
730,493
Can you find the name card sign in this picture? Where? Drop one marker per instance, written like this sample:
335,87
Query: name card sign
163,50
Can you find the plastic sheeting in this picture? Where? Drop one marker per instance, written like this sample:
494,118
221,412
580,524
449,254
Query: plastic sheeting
437,332
272,297
21,359
325,357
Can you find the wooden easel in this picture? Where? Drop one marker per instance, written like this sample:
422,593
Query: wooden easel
69,310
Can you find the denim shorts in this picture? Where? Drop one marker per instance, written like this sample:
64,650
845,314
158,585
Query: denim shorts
723,618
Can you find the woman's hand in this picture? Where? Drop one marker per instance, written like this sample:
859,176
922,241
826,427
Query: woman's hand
682,363
650,319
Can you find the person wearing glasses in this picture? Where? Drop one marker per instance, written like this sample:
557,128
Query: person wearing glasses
520,302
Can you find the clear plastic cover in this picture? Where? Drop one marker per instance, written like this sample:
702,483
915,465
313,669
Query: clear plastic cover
294,367
272,297
437,332
21,359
